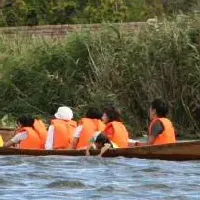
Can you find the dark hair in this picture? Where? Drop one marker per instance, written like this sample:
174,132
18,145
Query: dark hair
26,120
113,114
161,107
93,113
102,139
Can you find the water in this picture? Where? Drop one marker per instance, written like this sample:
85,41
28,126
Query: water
95,178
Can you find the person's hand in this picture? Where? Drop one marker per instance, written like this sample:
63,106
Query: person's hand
87,153
132,143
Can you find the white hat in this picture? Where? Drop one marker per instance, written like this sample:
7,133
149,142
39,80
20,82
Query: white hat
64,113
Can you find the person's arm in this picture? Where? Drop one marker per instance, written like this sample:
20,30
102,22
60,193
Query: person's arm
50,136
156,130
87,151
131,143
76,137
150,141
9,143
104,149
16,139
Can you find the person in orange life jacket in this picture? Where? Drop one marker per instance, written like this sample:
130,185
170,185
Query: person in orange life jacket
99,141
115,129
87,128
161,130
40,128
26,137
61,130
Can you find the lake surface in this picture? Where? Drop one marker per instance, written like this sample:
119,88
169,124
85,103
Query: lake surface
97,178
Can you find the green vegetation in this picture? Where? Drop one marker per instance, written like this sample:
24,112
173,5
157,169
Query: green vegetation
39,12
125,69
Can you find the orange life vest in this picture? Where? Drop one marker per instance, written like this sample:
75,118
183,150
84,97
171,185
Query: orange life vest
63,133
32,141
117,133
90,126
40,128
168,135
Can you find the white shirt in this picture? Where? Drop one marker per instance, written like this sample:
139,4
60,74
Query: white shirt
50,136
19,137
78,131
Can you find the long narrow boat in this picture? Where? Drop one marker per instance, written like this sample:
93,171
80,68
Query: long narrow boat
182,151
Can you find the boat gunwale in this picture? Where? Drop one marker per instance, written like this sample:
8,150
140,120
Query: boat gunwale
144,152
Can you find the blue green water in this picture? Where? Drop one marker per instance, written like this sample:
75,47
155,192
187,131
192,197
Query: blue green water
93,178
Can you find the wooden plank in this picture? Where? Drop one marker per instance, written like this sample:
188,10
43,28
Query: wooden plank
175,152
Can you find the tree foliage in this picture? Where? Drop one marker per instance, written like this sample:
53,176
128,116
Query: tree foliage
39,12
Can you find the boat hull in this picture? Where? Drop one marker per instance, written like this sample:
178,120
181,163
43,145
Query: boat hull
182,151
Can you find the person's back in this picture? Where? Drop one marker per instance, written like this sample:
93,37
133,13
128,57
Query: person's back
40,128
117,133
61,130
32,141
166,134
26,137
63,133
88,125
115,129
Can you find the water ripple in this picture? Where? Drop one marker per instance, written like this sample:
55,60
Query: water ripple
54,177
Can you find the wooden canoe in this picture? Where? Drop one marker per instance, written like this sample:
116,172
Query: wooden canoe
182,151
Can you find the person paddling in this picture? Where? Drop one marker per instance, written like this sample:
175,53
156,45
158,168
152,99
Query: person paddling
61,130
115,129
161,129
26,137
88,125
101,142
